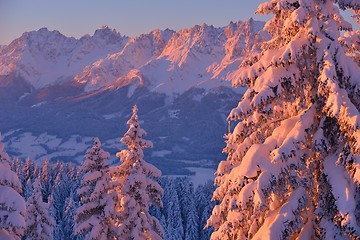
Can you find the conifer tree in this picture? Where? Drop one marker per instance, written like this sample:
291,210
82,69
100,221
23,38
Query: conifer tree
189,215
174,223
293,157
28,169
69,216
137,187
28,189
12,204
93,217
204,206
47,181
40,225
62,190
27,177
16,166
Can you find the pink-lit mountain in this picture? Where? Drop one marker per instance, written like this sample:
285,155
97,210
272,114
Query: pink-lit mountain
57,93
164,61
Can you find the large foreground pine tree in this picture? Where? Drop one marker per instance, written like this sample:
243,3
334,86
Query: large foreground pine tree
293,158
137,187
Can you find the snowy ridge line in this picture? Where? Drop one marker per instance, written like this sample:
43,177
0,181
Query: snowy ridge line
165,61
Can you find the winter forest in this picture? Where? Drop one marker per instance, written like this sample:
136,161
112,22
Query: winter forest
292,156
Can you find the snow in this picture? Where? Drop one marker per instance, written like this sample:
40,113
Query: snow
26,144
343,190
168,62
46,57
202,175
274,222
199,177
161,153
5,235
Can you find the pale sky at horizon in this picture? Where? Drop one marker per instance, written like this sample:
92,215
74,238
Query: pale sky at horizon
129,17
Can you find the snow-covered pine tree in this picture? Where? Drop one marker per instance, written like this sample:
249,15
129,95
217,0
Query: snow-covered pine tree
69,216
174,225
93,217
28,169
12,204
27,189
185,190
62,190
47,181
16,166
27,176
293,156
40,225
204,206
351,42
137,187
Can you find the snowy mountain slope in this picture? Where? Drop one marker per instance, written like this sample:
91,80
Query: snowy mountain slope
136,53
46,57
57,93
173,62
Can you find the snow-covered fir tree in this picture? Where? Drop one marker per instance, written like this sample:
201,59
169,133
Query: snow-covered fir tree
27,176
28,189
16,166
293,157
69,216
63,188
12,204
174,228
204,206
47,181
93,219
40,225
189,215
28,169
137,187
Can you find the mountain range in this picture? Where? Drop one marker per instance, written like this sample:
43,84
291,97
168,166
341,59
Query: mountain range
58,92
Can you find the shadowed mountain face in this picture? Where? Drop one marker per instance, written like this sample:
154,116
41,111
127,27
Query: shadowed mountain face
57,93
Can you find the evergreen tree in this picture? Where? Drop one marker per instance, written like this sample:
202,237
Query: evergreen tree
189,215
47,181
62,190
204,206
28,189
293,156
93,219
12,204
28,169
40,224
174,228
27,176
69,216
137,187
16,166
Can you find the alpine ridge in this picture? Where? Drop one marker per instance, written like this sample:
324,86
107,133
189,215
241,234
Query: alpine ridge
58,92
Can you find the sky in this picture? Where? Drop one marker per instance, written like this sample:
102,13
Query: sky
129,17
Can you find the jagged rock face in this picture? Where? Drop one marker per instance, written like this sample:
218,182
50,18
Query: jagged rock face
46,57
173,62
57,92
